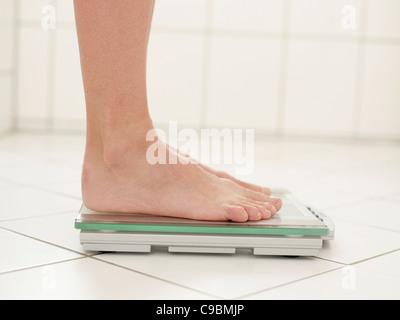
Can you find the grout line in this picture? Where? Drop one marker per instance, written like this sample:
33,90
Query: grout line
261,135
33,186
287,283
155,277
330,260
317,274
47,242
243,33
41,265
309,37
35,24
367,198
376,256
366,225
51,214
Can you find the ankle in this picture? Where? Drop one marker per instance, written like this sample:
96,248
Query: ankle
124,143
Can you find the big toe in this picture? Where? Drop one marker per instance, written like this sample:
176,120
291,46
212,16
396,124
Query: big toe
236,213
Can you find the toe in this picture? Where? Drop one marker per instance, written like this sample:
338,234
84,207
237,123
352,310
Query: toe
276,202
266,214
266,190
253,213
270,207
236,213
258,196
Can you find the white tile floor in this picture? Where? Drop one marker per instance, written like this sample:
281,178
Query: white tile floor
358,185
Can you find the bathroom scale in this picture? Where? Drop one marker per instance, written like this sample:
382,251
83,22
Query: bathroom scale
295,230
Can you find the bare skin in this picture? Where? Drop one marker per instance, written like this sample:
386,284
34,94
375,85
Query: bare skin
116,177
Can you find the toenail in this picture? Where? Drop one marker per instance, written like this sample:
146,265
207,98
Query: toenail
266,190
275,201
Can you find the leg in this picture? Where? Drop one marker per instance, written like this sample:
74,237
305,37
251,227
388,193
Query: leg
116,177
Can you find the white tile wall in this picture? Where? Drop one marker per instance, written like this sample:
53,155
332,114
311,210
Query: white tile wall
69,99
31,10
236,63
289,66
6,12
380,115
6,53
320,90
384,18
175,64
6,64
5,103
250,15
65,11
179,14
32,75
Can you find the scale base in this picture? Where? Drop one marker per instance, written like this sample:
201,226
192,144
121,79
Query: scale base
109,241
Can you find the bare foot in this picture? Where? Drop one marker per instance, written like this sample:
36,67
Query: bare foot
223,174
121,180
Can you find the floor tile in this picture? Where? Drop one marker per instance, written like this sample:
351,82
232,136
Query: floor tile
334,156
225,276
40,197
355,184
56,228
66,148
39,172
18,252
388,263
345,283
321,193
354,242
71,188
87,278
21,202
376,213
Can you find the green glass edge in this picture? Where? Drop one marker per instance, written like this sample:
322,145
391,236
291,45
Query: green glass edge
200,229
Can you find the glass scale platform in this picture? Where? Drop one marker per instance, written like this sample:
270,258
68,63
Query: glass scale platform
295,230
